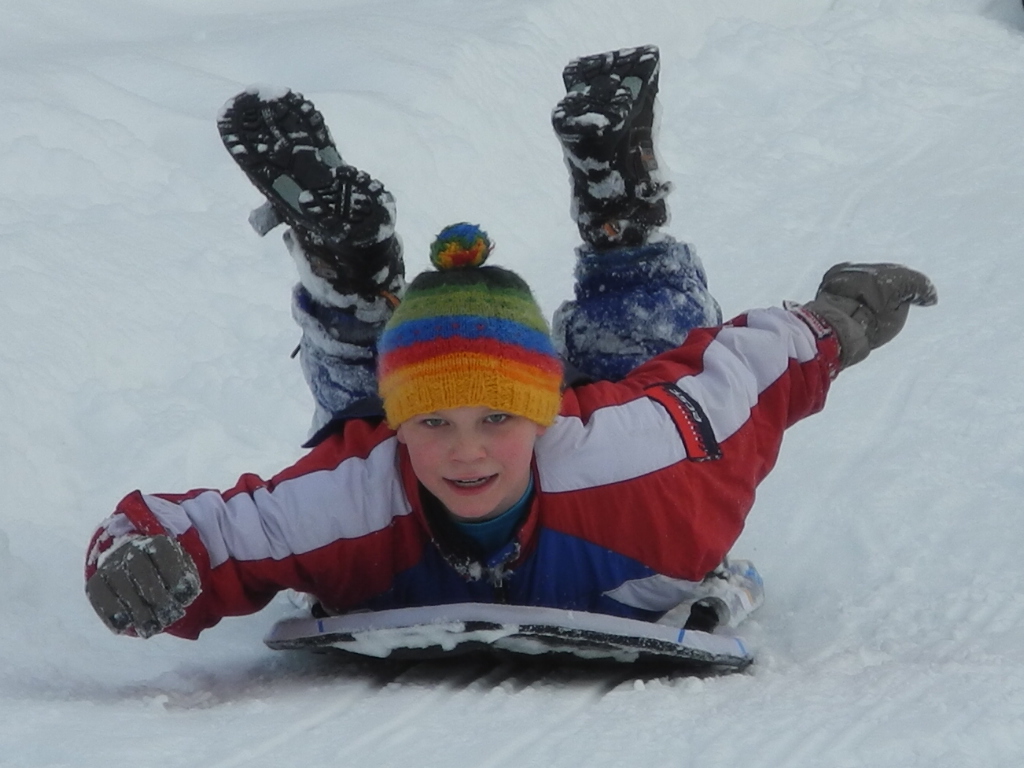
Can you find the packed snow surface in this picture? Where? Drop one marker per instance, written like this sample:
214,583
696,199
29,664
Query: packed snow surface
146,339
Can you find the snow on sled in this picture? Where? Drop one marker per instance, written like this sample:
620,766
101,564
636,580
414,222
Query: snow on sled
461,628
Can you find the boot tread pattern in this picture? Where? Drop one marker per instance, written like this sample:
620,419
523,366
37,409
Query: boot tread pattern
286,150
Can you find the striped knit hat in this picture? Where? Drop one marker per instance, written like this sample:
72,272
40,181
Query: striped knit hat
468,335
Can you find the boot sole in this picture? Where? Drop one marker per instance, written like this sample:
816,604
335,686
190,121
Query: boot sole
284,147
582,116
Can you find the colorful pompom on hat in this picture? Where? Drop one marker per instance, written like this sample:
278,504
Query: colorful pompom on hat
468,335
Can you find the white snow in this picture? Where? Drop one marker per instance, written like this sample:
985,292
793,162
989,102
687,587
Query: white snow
612,185
146,339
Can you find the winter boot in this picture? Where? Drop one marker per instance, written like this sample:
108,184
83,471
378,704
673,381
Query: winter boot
726,596
342,221
605,124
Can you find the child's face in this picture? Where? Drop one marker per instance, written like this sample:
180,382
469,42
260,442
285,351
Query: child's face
475,460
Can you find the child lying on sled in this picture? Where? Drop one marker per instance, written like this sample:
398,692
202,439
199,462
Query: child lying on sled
460,453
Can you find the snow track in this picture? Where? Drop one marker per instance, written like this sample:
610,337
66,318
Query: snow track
373,712
146,335
541,741
281,745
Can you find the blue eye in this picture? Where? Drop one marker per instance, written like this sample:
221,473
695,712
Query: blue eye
497,418
433,422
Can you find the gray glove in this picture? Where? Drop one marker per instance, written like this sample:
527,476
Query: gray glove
867,304
144,585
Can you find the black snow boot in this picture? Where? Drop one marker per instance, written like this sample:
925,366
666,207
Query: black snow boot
605,125
343,220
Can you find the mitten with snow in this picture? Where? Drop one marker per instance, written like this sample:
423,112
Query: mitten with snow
144,585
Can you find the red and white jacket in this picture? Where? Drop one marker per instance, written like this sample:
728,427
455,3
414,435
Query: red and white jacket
641,488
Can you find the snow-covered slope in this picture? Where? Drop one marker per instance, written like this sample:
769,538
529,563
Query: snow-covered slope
146,336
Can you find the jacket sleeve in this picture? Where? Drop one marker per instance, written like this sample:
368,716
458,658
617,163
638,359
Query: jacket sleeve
663,465
326,525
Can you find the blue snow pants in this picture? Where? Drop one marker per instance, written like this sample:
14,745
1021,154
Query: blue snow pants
630,305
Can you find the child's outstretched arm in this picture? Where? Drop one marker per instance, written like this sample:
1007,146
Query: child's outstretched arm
665,463
328,525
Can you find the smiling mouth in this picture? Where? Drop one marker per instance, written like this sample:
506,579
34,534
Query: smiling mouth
475,482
